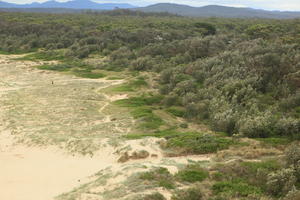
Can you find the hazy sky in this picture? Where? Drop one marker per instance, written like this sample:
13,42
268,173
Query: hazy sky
262,4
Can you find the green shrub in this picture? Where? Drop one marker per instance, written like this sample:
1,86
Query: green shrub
294,194
281,182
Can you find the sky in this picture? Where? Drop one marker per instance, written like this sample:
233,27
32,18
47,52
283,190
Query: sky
284,5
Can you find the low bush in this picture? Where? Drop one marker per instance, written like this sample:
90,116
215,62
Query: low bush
281,182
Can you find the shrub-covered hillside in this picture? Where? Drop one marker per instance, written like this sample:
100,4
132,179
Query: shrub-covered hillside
239,76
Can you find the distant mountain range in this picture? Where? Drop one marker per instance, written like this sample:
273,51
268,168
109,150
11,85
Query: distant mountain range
184,10
218,11
73,4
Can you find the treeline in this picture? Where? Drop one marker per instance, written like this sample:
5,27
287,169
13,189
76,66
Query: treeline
239,76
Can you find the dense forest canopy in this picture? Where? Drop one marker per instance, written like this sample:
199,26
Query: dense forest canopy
240,76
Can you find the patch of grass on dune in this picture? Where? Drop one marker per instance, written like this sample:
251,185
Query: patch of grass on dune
44,56
147,118
86,73
235,187
176,111
59,67
274,142
192,174
142,110
198,143
77,68
137,83
184,143
145,100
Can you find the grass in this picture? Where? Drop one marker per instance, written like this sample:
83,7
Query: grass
59,67
142,110
235,188
44,56
88,74
188,142
268,165
160,177
77,68
192,174
176,111
148,119
115,78
198,143
274,142
140,101
139,82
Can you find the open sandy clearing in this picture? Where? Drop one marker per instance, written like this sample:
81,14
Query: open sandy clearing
37,112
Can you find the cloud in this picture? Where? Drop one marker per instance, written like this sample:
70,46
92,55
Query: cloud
292,5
